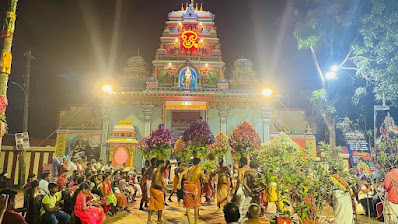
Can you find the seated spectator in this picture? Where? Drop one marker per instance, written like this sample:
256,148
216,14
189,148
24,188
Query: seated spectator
253,215
121,200
87,211
43,183
63,180
231,213
51,212
110,198
31,178
3,206
10,216
33,198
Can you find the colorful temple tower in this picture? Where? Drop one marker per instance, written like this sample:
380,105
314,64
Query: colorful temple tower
186,81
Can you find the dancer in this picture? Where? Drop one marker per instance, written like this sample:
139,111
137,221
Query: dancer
192,189
146,183
158,188
176,178
243,200
223,184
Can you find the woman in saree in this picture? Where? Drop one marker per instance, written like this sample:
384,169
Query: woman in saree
87,211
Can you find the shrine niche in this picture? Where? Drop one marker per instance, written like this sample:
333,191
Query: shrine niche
187,78
122,144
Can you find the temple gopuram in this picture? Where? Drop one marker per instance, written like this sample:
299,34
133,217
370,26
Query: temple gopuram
186,80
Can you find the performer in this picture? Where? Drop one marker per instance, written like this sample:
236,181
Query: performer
158,189
192,189
342,201
243,200
208,188
176,178
146,183
223,184
180,188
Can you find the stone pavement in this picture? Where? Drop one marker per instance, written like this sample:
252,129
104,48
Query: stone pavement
175,214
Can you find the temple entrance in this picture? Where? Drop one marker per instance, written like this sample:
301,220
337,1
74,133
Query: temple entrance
181,119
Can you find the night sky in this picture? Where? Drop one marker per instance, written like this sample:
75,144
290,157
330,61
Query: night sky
72,43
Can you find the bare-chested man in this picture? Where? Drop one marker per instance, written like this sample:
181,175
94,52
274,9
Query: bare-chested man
223,184
157,191
192,189
146,182
243,199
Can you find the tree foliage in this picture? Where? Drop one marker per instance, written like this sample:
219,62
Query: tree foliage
377,52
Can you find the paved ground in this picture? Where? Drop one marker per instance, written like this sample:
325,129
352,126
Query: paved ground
175,214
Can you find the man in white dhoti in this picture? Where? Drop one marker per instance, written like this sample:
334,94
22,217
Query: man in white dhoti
342,203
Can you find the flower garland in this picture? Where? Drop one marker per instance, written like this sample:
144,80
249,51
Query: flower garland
244,140
160,142
198,137
221,145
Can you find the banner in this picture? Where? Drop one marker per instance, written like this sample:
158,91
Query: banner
360,154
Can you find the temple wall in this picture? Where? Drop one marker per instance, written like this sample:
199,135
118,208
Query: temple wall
128,111
214,121
238,115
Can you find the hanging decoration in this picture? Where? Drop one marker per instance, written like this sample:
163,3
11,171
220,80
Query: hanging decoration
244,140
198,138
159,142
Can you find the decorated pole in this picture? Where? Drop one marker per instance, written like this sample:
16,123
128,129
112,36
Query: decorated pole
5,62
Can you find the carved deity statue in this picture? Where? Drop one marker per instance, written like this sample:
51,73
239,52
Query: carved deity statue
188,79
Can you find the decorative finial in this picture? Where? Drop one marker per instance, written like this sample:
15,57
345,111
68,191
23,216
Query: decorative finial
192,3
138,53
196,8
242,56
182,6
201,6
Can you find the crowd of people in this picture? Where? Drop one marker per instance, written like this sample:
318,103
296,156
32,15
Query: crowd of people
79,191
86,192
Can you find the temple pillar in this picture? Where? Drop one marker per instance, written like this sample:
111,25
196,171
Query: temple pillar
266,113
223,113
106,114
148,111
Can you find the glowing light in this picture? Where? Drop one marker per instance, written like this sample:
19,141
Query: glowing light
180,24
330,75
207,65
267,92
334,68
190,39
200,24
107,88
176,40
169,64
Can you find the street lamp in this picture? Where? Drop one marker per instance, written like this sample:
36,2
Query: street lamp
266,92
107,88
25,109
